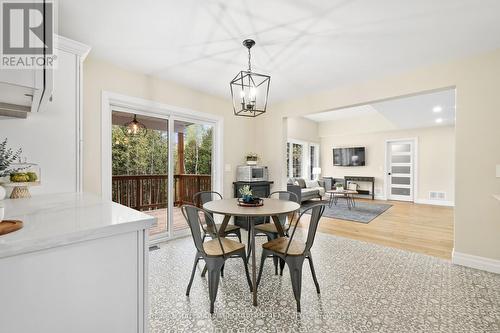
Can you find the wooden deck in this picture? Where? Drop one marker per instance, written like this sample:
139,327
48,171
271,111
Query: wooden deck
148,193
161,223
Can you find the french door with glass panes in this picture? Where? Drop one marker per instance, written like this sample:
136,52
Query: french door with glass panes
301,159
400,169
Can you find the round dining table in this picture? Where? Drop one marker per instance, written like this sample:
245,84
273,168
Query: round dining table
271,207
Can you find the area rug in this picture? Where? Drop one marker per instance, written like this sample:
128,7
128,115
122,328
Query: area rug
364,288
363,212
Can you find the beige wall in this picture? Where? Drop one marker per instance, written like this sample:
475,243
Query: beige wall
477,80
303,129
102,76
435,162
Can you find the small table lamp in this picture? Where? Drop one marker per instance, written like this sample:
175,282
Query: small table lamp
316,171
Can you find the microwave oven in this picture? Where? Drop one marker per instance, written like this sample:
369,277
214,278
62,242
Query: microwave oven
251,173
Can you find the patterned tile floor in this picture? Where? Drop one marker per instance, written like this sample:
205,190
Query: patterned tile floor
364,288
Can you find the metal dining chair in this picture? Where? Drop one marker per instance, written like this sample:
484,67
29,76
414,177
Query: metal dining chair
293,252
269,229
214,252
202,198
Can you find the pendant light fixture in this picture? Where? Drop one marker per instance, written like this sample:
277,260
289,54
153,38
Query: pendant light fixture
135,127
249,90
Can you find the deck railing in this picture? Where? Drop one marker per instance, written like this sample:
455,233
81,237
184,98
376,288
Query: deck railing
149,192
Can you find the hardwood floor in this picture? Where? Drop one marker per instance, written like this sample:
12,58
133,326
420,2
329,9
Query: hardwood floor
419,228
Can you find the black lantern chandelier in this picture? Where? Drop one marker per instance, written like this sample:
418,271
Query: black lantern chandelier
135,127
249,90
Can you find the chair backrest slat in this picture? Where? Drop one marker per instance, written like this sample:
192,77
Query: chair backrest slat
286,196
316,213
203,197
193,220
192,215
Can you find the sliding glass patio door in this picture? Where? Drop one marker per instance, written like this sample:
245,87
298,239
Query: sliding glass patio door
140,162
193,165
159,161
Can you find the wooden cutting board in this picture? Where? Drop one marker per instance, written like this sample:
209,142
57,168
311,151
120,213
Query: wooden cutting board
7,226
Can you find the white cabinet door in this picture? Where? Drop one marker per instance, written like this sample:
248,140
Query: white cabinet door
18,77
92,286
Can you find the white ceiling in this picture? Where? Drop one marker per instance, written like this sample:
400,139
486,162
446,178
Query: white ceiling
306,46
404,113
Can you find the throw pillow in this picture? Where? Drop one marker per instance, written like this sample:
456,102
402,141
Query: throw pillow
312,183
302,182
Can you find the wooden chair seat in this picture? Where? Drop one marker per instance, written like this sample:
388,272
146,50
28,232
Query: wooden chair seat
266,227
212,247
279,245
229,227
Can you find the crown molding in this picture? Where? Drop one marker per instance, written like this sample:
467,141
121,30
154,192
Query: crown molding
69,45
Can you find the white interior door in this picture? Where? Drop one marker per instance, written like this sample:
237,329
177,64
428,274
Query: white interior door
400,170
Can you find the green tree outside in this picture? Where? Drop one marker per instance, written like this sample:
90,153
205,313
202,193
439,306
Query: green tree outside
148,154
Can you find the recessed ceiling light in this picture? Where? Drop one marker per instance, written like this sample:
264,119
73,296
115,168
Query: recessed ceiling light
439,120
437,108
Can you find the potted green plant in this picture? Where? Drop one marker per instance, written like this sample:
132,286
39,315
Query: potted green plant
246,193
339,186
7,157
252,158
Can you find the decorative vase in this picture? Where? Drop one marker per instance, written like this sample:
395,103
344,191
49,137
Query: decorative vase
3,193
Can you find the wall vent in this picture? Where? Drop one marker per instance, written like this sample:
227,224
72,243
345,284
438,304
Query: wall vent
435,195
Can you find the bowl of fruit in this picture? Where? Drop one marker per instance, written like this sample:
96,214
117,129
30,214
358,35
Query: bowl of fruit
22,176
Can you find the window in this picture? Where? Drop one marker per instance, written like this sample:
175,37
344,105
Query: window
294,159
313,160
297,157
301,158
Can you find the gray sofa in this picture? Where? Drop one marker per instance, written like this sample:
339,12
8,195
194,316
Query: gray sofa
304,192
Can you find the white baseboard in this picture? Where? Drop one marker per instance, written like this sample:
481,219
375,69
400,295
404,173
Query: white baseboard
380,197
435,202
482,263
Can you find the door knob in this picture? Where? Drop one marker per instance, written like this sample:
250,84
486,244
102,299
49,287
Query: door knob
389,173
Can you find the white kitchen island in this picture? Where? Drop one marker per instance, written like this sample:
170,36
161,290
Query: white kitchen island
79,264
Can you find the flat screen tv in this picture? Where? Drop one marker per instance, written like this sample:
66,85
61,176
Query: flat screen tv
354,156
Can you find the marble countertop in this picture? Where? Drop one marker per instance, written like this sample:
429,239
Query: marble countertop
61,219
